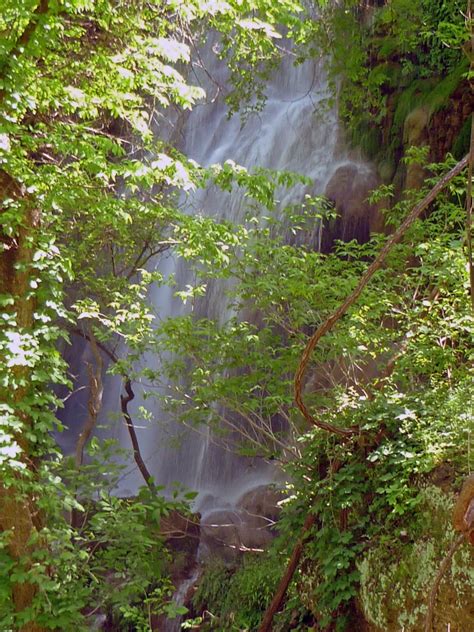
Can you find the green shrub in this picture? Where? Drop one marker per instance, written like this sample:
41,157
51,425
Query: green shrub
213,586
238,595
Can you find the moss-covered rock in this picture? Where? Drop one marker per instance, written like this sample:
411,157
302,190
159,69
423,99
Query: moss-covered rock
397,576
236,595
368,138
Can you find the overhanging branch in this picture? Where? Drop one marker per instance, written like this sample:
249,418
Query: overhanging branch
124,401
310,521
329,323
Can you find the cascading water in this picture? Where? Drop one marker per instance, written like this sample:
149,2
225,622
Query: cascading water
295,131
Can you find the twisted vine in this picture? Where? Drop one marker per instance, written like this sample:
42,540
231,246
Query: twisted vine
324,328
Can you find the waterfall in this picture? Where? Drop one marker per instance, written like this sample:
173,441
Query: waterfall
295,131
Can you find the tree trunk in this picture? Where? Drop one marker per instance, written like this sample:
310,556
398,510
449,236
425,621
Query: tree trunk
17,512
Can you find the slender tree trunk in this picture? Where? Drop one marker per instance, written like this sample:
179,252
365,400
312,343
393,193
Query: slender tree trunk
95,401
376,264
124,401
469,214
469,209
94,405
279,596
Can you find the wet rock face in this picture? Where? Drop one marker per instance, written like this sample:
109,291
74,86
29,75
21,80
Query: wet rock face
446,124
223,533
249,525
182,535
439,130
348,189
414,129
262,501
415,134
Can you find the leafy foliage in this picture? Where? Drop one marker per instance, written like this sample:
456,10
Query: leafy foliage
91,187
236,596
401,51
90,194
398,367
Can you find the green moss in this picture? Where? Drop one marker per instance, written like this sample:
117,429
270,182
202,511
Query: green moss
438,97
251,589
368,138
237,596
427,92
410,98
387,168
213,586
396,577
463,140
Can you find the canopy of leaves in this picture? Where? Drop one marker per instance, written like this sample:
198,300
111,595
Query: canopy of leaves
89,91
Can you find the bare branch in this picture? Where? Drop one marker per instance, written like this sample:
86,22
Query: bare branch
124,401
95,400
141,262
110,354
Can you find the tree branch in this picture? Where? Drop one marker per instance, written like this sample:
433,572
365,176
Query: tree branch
470,24
469,213
346,433
352,298
110,354
124,401
277,600
142,261
95,400
28,32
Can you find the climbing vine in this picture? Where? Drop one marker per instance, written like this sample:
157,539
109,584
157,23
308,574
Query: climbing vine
413,324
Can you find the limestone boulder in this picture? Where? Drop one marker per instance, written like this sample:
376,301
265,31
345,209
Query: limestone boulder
263,503
250,524
348,189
